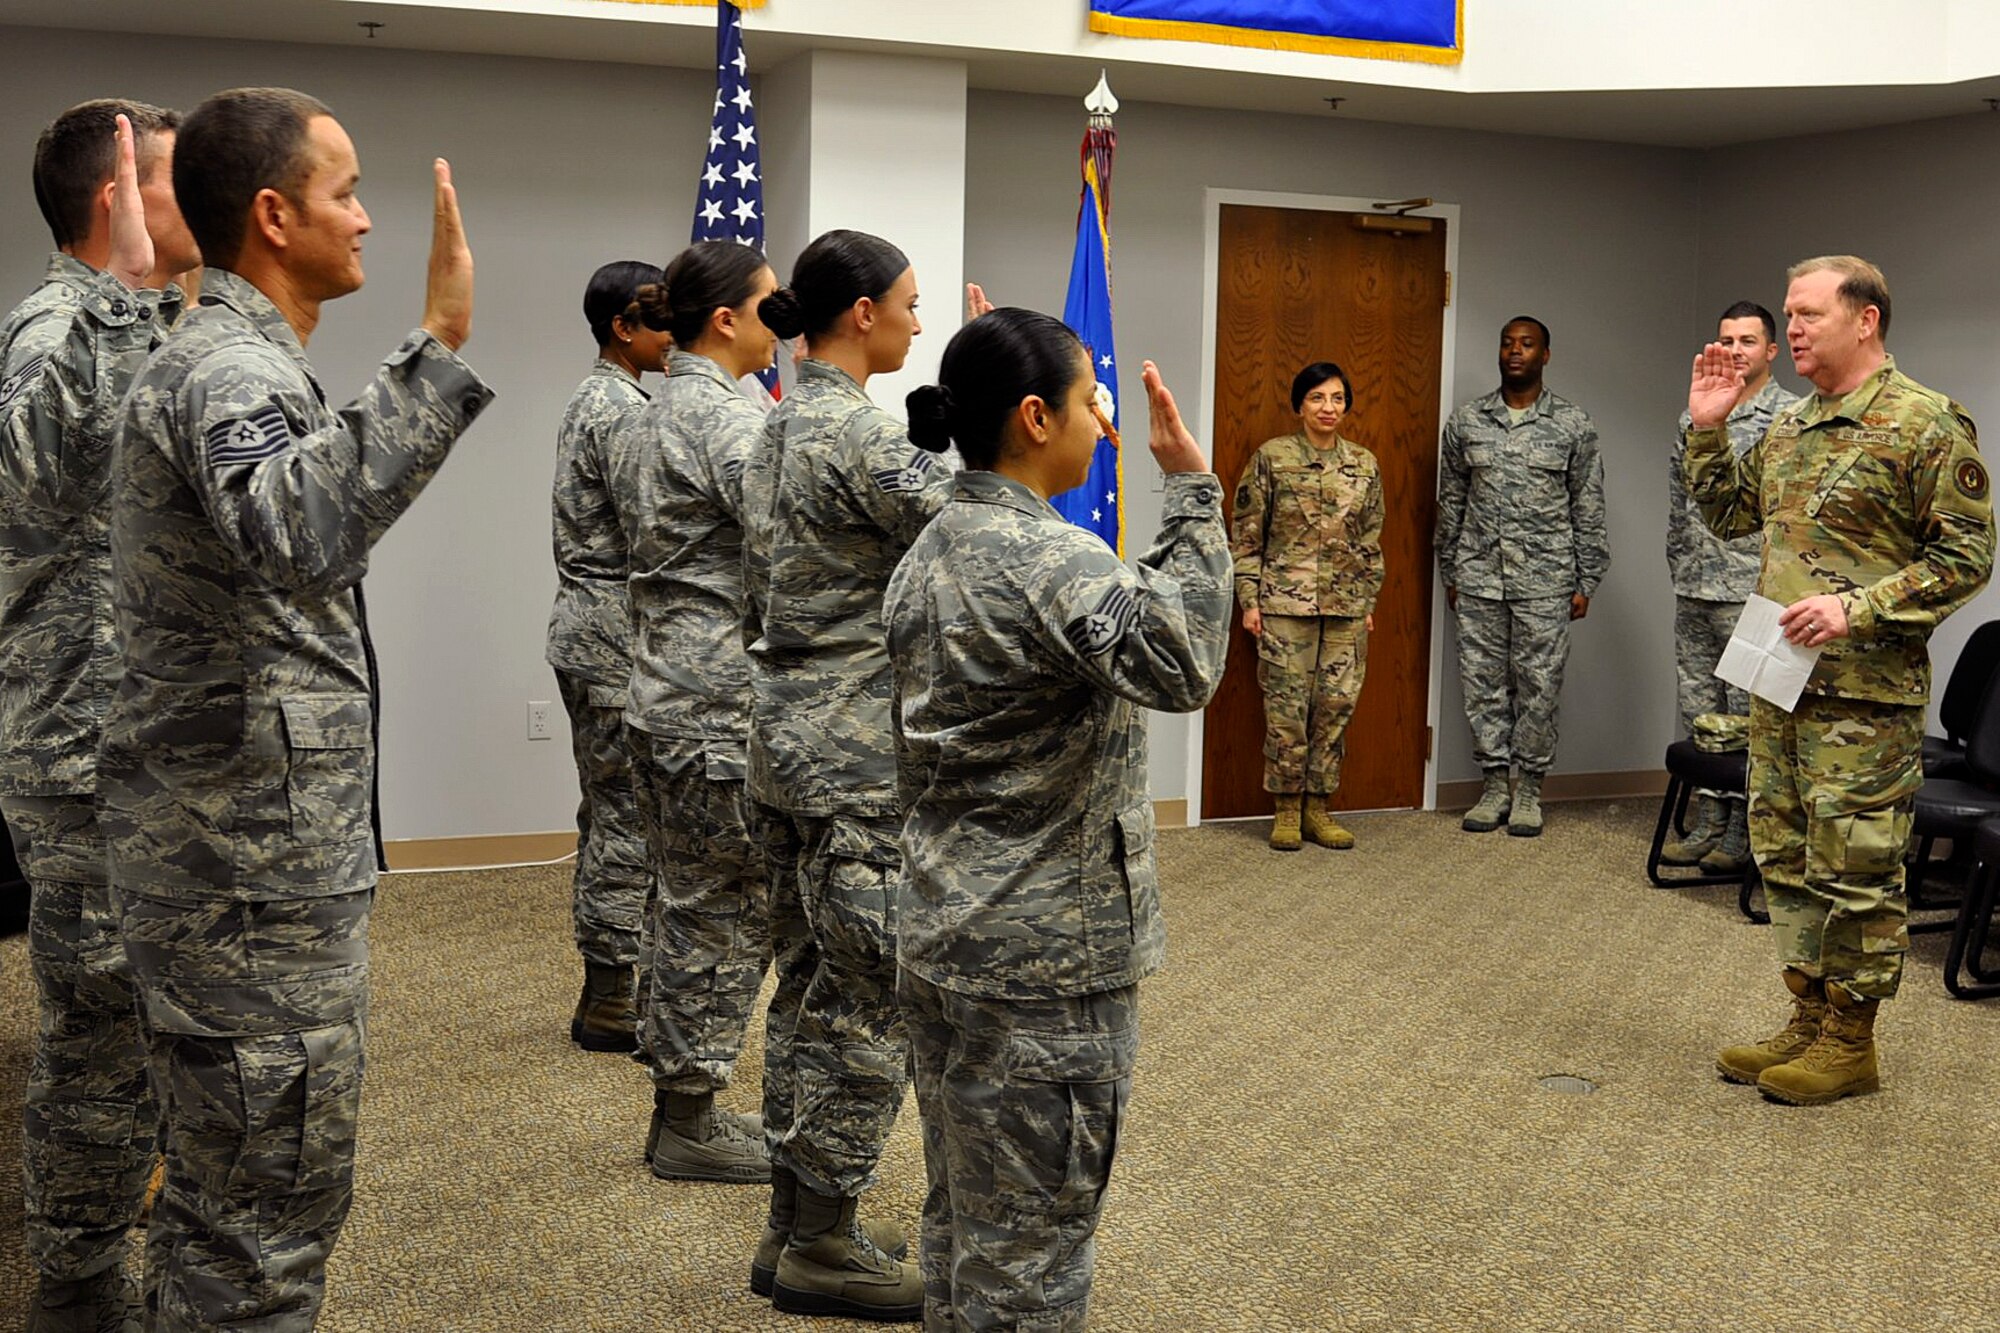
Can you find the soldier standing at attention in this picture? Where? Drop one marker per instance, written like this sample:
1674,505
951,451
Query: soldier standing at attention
238,760
590,632
678,478
1308,550
832,500
1878,523
1521,547
104,179
1711,578
1026,655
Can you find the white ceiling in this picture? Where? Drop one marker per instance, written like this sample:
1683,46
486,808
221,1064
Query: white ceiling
1684,118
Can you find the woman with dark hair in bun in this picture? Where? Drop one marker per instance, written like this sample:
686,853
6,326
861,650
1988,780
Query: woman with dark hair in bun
679,484
1026,657
833,498
589,645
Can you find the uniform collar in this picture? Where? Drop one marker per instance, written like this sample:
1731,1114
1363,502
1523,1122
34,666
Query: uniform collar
606,366
1337,454
992,488
694,365
812,370
221,287
1497,408
84,280
1854,403
1763,398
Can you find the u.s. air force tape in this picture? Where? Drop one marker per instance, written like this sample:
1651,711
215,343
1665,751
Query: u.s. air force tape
17,383
1116,612
1970,477
248,439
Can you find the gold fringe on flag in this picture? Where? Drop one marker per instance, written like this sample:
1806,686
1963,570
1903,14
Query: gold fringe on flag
1176,30
705,4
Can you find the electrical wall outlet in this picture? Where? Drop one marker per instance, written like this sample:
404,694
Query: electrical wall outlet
538,720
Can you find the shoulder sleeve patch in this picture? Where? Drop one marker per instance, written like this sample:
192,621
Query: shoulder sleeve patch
252,438
1116,612
18,383
912,476
1970,478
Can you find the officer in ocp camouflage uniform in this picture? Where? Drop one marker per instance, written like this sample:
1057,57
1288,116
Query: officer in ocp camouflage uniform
1711,577
1027,654
589,645
1521,548
1878,523
67,355
238,755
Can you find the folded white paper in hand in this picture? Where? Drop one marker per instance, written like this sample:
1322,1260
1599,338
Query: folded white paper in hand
1760,659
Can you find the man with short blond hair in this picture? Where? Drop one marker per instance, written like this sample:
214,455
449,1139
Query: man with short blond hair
1876,511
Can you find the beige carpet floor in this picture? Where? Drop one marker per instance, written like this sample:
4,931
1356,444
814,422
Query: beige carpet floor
1337,1123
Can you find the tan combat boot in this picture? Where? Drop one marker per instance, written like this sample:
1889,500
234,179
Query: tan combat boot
1841,1063
1701,839
607,1013
1524,820
1743,1064
1322,828
832,1267
888,1237
697,1142
1731,853
1494,804
751,1123
1285,823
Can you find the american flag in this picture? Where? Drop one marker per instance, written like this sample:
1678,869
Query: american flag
730,204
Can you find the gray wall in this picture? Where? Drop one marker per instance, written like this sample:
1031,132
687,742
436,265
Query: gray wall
1598,240
560,166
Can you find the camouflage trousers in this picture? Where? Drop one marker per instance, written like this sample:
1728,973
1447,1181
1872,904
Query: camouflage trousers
1310,669
1833,788
1511,656
257,1012
794,960
850,1053
608,894
91,1126
1701,631
1022,1103
705,943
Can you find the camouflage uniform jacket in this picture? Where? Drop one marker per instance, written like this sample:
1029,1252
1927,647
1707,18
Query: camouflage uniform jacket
1878,497
1521,506
1308,538
1702,565
833,498
590,626
67,355
679,472
1026,657
238,754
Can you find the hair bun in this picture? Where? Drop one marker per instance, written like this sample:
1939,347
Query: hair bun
783,313
656,308
931,417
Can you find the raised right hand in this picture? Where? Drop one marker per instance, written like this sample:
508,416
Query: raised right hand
976,303
1715,387
448,290
131,259
1173,446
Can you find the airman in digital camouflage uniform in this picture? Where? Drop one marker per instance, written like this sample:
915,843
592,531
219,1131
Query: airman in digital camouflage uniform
1521,548
589,645
1878,523
832,500
1026,657
238,755
1711,578
679,484
1307,541
67,355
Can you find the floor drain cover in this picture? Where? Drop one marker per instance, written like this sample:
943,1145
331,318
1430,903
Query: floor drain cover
1569,1083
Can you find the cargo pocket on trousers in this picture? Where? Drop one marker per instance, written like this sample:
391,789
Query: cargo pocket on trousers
83,1159
1057,1129
328,767
1869,844
856,897
1141,865
330,1106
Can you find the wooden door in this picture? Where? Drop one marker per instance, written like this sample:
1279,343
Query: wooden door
1297,286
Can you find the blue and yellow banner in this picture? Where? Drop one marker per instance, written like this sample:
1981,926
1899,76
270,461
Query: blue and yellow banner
1429,31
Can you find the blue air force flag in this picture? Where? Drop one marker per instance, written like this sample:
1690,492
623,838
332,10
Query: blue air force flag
1429,31
1098,504
730,204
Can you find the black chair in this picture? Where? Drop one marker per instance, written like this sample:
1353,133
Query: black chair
1966,974
1691,768
1953,808
1958,706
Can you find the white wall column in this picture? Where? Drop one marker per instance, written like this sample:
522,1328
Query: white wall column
875,143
